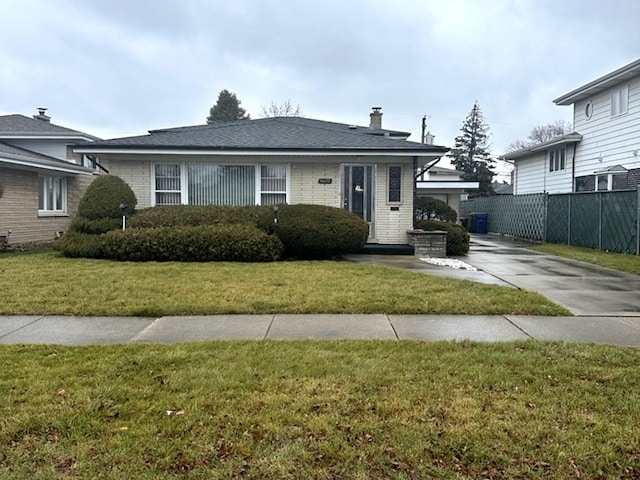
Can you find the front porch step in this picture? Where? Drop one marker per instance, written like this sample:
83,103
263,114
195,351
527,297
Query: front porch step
380,249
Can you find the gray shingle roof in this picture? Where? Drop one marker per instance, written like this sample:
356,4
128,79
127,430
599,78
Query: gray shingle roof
22,156
275,133
23,125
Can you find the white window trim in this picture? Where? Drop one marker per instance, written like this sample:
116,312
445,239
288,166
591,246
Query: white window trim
49,212
609,180
561,166
620,99
184,180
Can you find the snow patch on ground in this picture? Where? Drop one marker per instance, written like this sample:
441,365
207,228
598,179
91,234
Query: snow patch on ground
449,262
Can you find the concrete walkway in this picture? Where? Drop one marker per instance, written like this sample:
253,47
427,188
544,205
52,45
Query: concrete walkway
623,331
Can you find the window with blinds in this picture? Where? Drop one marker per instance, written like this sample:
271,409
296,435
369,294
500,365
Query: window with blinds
209,184
273,184
52,194
221,184
168,184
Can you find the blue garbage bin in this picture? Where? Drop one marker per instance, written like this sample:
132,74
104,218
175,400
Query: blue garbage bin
479,222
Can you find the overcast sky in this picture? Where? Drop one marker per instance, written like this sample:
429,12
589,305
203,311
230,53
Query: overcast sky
116,68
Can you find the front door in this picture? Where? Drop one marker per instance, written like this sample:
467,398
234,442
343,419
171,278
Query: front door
357,192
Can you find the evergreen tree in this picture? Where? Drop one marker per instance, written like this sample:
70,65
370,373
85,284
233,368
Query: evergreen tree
227,109
471,153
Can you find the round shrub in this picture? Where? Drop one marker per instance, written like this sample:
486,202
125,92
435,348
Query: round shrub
79,245
206,243
192,215
104,196
315,231
429,208
457,236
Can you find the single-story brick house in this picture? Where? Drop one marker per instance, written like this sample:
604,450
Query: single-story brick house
41,179
367,170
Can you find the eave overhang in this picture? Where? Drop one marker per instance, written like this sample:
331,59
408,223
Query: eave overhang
568,139
607,81
434,151
26,163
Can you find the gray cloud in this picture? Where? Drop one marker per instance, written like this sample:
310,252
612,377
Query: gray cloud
120,67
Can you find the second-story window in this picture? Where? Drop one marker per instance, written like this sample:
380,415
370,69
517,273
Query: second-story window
620,101
557,160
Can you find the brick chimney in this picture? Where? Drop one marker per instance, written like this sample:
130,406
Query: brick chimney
376,118
42,115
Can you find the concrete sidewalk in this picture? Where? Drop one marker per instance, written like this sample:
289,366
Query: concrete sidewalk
622,331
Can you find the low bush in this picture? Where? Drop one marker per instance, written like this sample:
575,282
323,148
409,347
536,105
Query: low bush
457,236
205,243
315,231
429,208
194,215
79,245
94,226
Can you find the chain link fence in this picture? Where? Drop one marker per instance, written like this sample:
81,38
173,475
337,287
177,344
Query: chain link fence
599,220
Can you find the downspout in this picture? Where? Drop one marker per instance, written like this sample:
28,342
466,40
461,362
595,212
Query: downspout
573,169
94,160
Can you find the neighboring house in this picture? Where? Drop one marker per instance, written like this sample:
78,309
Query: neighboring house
603,153
444,184
502,188
41,179
367,170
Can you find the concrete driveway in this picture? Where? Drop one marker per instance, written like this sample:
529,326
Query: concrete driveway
582,288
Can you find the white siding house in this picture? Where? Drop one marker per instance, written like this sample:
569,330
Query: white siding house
603,153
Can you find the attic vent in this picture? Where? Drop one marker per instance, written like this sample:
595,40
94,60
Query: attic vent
352,127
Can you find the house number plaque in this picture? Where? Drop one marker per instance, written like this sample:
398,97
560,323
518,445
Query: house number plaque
325,181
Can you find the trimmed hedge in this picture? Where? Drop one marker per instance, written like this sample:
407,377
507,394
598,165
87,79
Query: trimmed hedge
457,236
192,215
315,231
104,196
429,208
205,243
95,226
79,245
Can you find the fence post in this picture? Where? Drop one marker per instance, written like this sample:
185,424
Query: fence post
638,222
569,222
600,195
545,217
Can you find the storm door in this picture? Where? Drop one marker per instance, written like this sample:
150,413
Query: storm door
357,192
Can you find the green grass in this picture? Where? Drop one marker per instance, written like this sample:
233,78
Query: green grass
348,409
618,261
42,282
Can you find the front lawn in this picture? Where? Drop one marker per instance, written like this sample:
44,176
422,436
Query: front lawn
325,410
618,261
43,282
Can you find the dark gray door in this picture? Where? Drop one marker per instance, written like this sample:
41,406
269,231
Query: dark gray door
357,192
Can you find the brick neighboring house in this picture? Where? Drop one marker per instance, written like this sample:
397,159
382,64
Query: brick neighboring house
365,169
41,179
602,154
